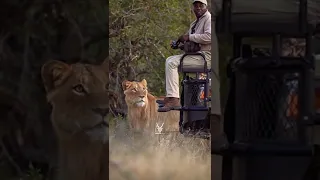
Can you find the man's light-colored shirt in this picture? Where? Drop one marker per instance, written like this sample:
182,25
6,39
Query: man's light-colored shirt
202,34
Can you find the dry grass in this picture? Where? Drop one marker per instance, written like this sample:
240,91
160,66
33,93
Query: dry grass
158,158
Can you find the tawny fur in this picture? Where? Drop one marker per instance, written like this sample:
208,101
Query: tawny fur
83,146
145,117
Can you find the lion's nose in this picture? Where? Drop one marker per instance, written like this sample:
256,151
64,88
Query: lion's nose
141,96
101,111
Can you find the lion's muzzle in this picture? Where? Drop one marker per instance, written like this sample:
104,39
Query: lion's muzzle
101,111
99,132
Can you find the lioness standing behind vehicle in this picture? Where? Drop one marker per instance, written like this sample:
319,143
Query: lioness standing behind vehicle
143,112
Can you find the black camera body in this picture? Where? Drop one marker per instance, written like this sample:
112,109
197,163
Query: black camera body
175,44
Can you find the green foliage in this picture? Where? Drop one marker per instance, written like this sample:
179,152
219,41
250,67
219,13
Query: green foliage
33,174
140,34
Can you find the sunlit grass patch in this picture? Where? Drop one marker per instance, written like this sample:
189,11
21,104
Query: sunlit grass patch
158,158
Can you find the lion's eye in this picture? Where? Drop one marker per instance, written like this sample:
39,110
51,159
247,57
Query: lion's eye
79,89
134,90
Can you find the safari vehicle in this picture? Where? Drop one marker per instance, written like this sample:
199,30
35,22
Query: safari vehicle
270,118
195,100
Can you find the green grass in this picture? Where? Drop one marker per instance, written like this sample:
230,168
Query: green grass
7,173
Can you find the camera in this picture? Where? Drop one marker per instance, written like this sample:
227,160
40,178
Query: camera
175,44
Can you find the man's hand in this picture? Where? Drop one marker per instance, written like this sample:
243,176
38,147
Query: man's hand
171,42
184,38
174,44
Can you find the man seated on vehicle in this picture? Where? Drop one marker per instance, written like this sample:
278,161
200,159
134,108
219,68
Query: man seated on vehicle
199,32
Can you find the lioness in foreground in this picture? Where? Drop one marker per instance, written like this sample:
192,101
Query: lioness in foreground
79,99
143,112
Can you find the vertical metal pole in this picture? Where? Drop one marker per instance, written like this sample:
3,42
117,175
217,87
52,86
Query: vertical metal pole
229,124
309,47
308,108
182,103
227,10
276,47
303,12
224,172
237,41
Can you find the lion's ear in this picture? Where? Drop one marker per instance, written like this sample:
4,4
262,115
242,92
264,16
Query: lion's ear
54,73
144,82
126,84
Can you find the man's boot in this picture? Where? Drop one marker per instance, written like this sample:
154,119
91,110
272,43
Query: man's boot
169,104
219,140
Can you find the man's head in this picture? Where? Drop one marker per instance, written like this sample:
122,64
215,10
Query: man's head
199,7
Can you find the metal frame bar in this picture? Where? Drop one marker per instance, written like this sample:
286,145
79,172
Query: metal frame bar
243,149
194,54
303,15
228,26
276,46
282,63
227,15
197,81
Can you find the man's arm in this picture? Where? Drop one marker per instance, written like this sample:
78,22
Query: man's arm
188,32
185,36
203,38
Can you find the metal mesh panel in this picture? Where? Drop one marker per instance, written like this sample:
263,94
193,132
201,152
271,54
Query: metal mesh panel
194,120
194,93
267,106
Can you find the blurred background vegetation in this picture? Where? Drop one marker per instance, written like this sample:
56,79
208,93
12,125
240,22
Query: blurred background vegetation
32,32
